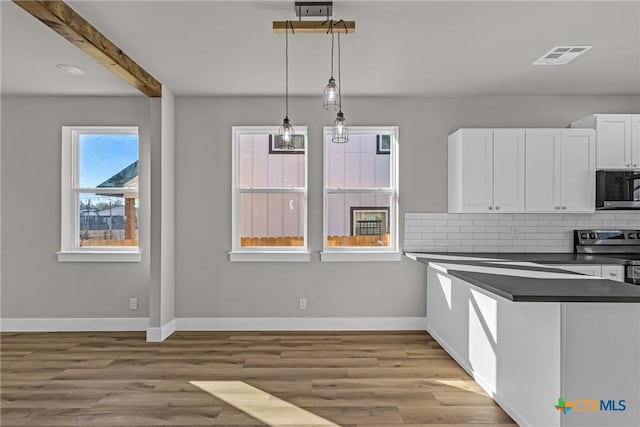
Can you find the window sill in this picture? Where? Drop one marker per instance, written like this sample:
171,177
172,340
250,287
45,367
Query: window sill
99,256
356,256
269,256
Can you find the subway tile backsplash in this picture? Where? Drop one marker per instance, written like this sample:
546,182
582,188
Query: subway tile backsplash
445,232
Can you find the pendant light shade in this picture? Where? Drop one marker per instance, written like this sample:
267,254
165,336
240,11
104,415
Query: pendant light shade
286,131
340,133
330,94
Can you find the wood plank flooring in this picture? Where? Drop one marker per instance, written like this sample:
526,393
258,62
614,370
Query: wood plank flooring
346,378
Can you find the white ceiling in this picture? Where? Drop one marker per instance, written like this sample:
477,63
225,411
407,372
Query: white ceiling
399,48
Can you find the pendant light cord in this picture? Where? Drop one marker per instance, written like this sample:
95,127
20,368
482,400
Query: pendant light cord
332,36
339,75
286,67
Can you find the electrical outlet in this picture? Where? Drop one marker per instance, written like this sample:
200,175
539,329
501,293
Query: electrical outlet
302,304
133,303
515,233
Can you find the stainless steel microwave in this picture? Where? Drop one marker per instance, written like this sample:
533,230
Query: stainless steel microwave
617,189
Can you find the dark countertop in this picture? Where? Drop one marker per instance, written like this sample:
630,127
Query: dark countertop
539,258
515,282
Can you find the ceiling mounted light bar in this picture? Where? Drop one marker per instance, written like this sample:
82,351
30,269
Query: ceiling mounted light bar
314,8
320,27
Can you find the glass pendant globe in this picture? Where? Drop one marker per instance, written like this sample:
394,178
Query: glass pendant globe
340,132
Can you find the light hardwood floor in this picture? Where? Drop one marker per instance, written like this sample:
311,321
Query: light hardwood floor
343,378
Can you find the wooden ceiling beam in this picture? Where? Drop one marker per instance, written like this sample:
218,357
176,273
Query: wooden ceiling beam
62,19
314,26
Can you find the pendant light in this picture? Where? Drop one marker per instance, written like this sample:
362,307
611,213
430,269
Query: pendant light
340,133
331,90
286,131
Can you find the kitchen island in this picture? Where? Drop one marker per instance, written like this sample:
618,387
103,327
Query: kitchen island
531,334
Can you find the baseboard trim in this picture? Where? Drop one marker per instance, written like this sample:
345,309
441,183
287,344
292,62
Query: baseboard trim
78,324
300,323
157,334
161,333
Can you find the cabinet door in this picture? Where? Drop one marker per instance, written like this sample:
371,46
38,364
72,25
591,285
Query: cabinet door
476,163
542,174
577,170
635,141
613,272
614,141
508,170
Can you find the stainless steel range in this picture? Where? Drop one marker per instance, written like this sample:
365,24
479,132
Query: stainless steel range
623,245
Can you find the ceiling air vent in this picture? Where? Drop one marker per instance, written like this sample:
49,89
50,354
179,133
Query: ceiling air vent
561,55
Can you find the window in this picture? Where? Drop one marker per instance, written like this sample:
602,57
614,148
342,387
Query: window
361,196
269,202
99,194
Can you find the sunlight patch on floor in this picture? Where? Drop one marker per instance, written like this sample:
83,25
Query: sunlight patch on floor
466,385
261,405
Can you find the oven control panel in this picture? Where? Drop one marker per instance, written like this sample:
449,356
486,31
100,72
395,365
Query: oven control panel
606,237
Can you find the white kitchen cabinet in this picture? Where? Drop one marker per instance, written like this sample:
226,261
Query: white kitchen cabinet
560,170
486,170
611,272
618,139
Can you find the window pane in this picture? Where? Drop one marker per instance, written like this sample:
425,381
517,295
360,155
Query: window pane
108,220
264,164
363,162
359,219
273,219
107,160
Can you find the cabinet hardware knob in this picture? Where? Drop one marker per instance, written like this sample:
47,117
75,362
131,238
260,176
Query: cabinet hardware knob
564,207
612,273
497,207
490,208
557,207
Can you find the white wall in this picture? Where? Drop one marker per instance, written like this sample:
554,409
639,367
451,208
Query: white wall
34,283
210,286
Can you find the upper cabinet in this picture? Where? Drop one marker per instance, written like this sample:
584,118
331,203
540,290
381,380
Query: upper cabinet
560,170
486,170
618,139
518,170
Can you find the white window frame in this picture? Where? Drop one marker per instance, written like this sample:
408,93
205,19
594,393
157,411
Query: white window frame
358,253
266,253
70,250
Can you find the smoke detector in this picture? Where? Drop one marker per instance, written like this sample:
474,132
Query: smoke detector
561,55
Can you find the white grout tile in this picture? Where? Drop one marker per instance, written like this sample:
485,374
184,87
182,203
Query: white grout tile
500,216
473,216
460,222
500,229
419,229
467,236
434,222
486,222
486,236
434,236
448,229
474,242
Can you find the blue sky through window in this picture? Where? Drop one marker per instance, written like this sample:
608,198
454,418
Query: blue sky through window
104,155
